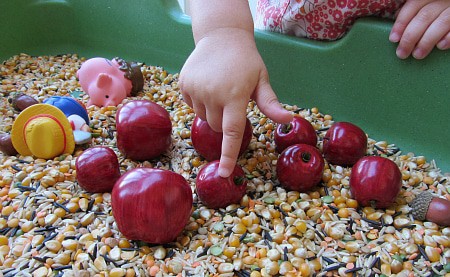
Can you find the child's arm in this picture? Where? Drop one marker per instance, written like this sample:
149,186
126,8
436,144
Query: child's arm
421,25
225,71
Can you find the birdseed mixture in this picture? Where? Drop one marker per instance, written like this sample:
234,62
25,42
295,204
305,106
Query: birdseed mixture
49,226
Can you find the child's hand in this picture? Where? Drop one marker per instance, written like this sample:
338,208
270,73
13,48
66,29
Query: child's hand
221,75
421,25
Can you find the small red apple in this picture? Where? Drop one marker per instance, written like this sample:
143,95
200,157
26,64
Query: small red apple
298,131
208,143
375,181
344,144
300,167
217,192
97,169
144,130
151,205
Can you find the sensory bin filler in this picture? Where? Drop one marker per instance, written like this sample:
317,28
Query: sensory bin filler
79,196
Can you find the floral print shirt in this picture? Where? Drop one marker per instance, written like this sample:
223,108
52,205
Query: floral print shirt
319,19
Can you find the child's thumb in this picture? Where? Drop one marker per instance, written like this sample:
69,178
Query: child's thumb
268,103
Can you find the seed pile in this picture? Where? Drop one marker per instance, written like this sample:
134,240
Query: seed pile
49,226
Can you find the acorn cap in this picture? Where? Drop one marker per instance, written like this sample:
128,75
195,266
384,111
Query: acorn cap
420,205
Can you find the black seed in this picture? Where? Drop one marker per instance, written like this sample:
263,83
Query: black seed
16,168
353,269
63,267
422,252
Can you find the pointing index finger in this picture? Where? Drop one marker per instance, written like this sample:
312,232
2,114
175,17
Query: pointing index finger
234,119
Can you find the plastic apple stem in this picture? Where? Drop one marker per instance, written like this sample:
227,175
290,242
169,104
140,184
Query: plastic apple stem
286,128
238,180
306,156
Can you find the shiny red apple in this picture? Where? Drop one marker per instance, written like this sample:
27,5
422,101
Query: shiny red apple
298,131
300,167
97,169
151,205
144,130
208,143
375,181
217,192
344,144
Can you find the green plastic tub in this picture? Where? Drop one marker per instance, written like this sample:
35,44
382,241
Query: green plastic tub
357,78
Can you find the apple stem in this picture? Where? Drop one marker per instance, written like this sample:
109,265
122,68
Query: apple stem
286,128
238,180
306,156
373,203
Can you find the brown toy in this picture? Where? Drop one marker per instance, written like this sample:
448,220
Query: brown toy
6,145
21,101
427,207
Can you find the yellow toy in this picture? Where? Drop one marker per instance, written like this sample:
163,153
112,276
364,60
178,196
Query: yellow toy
43,131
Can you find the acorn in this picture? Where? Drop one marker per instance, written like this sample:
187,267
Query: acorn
427,207
6,145
21,101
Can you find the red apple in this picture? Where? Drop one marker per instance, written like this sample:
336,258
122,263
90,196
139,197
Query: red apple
344,144
97,169
300,167
217,192
6,145
298,131
375,181
151,205
208,143
144,130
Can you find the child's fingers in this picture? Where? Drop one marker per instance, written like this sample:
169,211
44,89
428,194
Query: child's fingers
234,119
444,43
268,103
199,109
214,116
187,99
438,29
404,17
416,29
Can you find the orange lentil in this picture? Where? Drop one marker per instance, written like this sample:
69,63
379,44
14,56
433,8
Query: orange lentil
195,264
150,262
153,270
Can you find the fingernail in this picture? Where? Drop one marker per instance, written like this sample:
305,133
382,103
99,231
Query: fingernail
418,53
394,37
401,53
224,172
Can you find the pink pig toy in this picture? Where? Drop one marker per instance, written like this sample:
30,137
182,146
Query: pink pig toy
108,82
